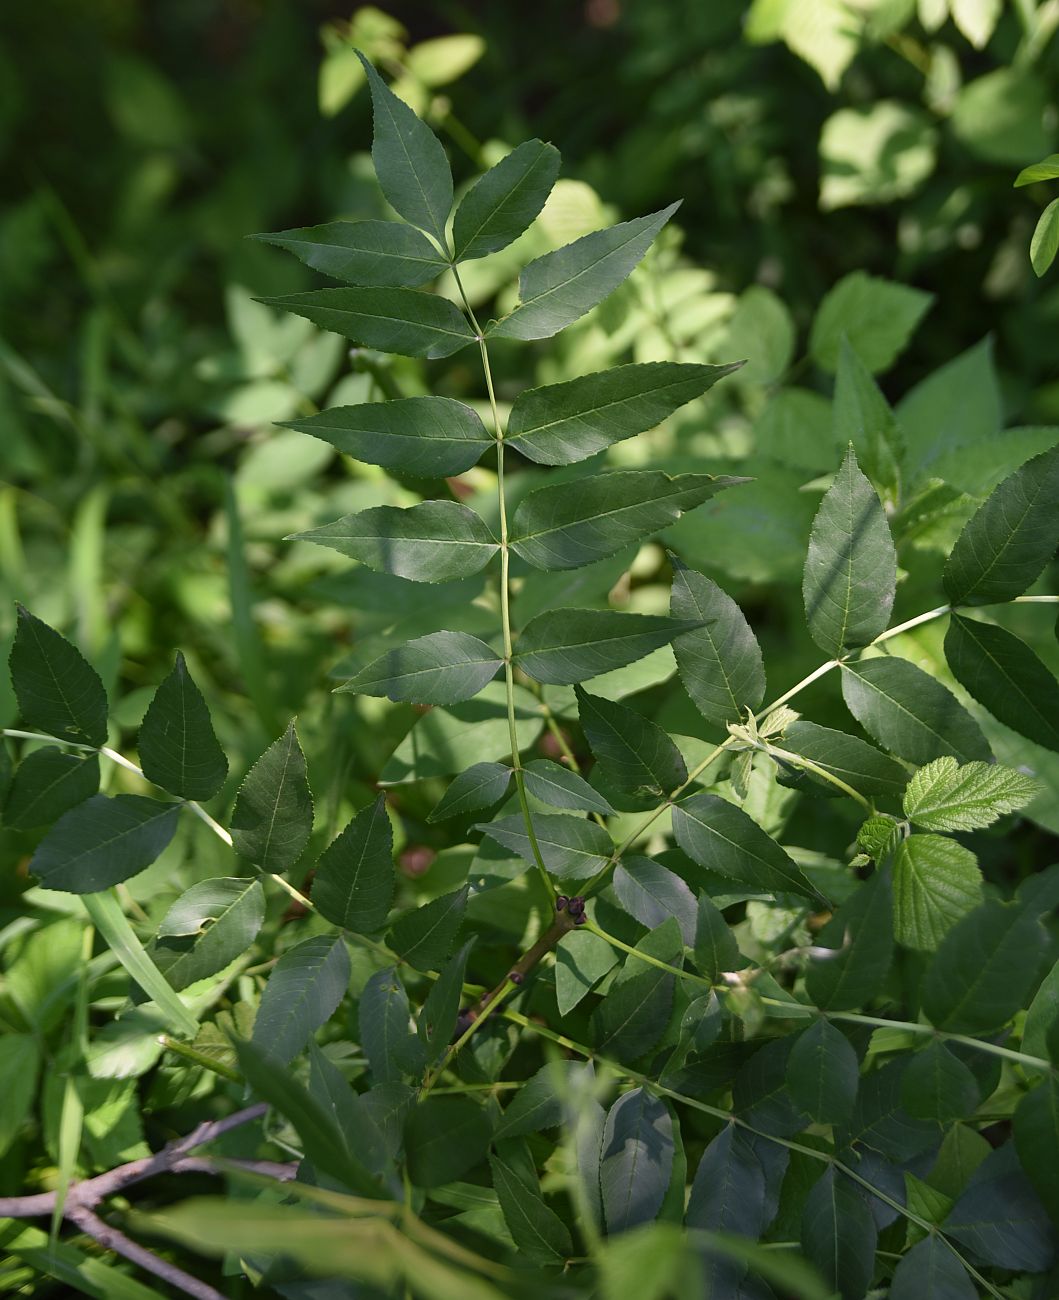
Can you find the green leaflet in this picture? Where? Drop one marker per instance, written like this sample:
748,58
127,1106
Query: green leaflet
862,416
632,1018
303,991
444,1138
539,1105
823,1073
178,747
19,1067
431,437
1000,1217
719,663
636,755
409,160
500,205
102,842
565,646
437,1019
937,1085
425,936
839,1234
56,688
652,894
538,1232
207,927
861,932
406,321
636,1160
1004,675
561,286
851,568
572,848
47,783
936,882
572,524
1045,241
560,788
721,837
1036,1127
984,969
354,881
384,1019
273,815
853,760
876,316
479,786
910,713
441,668
581,961
930,1271
568,422
944,796
716,949
322,1137
1009,539
369,253
436,541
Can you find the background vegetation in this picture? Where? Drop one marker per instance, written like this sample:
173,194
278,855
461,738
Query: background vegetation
145,492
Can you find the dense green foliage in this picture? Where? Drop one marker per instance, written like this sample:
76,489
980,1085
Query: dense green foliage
654,892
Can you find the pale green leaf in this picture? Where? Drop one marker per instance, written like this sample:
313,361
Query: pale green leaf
944,796
876,317
20,1060
581,960
1044,243
1045,170
207,927
936,882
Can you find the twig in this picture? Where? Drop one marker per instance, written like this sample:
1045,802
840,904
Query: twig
78,1205
90,1222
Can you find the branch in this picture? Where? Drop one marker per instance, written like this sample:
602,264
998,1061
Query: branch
82,1198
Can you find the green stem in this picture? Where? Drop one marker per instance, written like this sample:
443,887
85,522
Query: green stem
199,1058
505,599
492,1000
807,763
645,956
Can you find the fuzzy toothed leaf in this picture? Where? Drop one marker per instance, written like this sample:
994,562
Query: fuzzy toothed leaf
945,796
936,882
